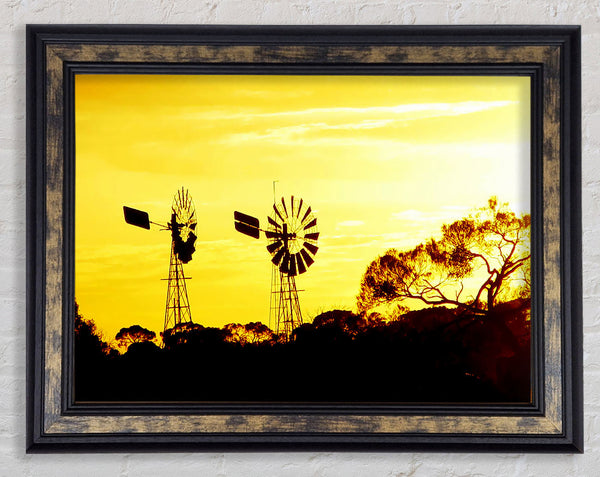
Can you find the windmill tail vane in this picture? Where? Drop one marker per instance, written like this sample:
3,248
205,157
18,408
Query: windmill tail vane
136,217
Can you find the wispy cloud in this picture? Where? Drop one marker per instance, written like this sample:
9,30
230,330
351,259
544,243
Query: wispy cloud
418,216
351,223
352,119
408,110
400,111
338,245
288,134
458,208
411,214
119,252
270,94
424,224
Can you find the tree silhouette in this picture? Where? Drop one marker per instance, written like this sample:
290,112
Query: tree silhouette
250,333
489,247
180,334
133,334
92,354
348,322
258,332
88,340
193,336
237,333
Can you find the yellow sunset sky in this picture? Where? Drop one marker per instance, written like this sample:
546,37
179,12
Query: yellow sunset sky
384,161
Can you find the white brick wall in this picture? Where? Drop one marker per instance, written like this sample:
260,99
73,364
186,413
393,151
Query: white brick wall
14,14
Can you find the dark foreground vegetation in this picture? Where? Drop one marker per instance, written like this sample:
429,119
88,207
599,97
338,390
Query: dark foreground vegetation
466,346
432,355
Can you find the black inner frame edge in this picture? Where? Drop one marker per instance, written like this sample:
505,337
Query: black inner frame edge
71,407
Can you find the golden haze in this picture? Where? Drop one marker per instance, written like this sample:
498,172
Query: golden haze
383,160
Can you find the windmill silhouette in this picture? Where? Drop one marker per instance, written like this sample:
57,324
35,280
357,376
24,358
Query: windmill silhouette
182,226
292,237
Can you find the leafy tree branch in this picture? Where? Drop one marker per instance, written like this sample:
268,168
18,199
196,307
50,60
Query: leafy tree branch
491,245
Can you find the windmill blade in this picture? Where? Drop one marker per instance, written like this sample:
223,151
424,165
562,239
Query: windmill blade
312,223
300,263
284,207
278,214
136,217
314,236
274,246
277,257
299,208
308,211
292,268
246,219
247,230
270,234
311,248
292,206
273,223
307,258
285,263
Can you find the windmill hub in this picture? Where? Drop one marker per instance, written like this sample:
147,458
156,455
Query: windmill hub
290,237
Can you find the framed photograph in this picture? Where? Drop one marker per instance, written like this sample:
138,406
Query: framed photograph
292,238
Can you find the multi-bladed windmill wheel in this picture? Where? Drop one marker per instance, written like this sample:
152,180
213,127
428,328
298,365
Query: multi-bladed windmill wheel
292,234
183,225
183,207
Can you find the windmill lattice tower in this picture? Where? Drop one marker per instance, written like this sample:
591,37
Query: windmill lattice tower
292,242
182,226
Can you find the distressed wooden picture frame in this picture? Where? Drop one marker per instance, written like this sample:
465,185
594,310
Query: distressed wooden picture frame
549,55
